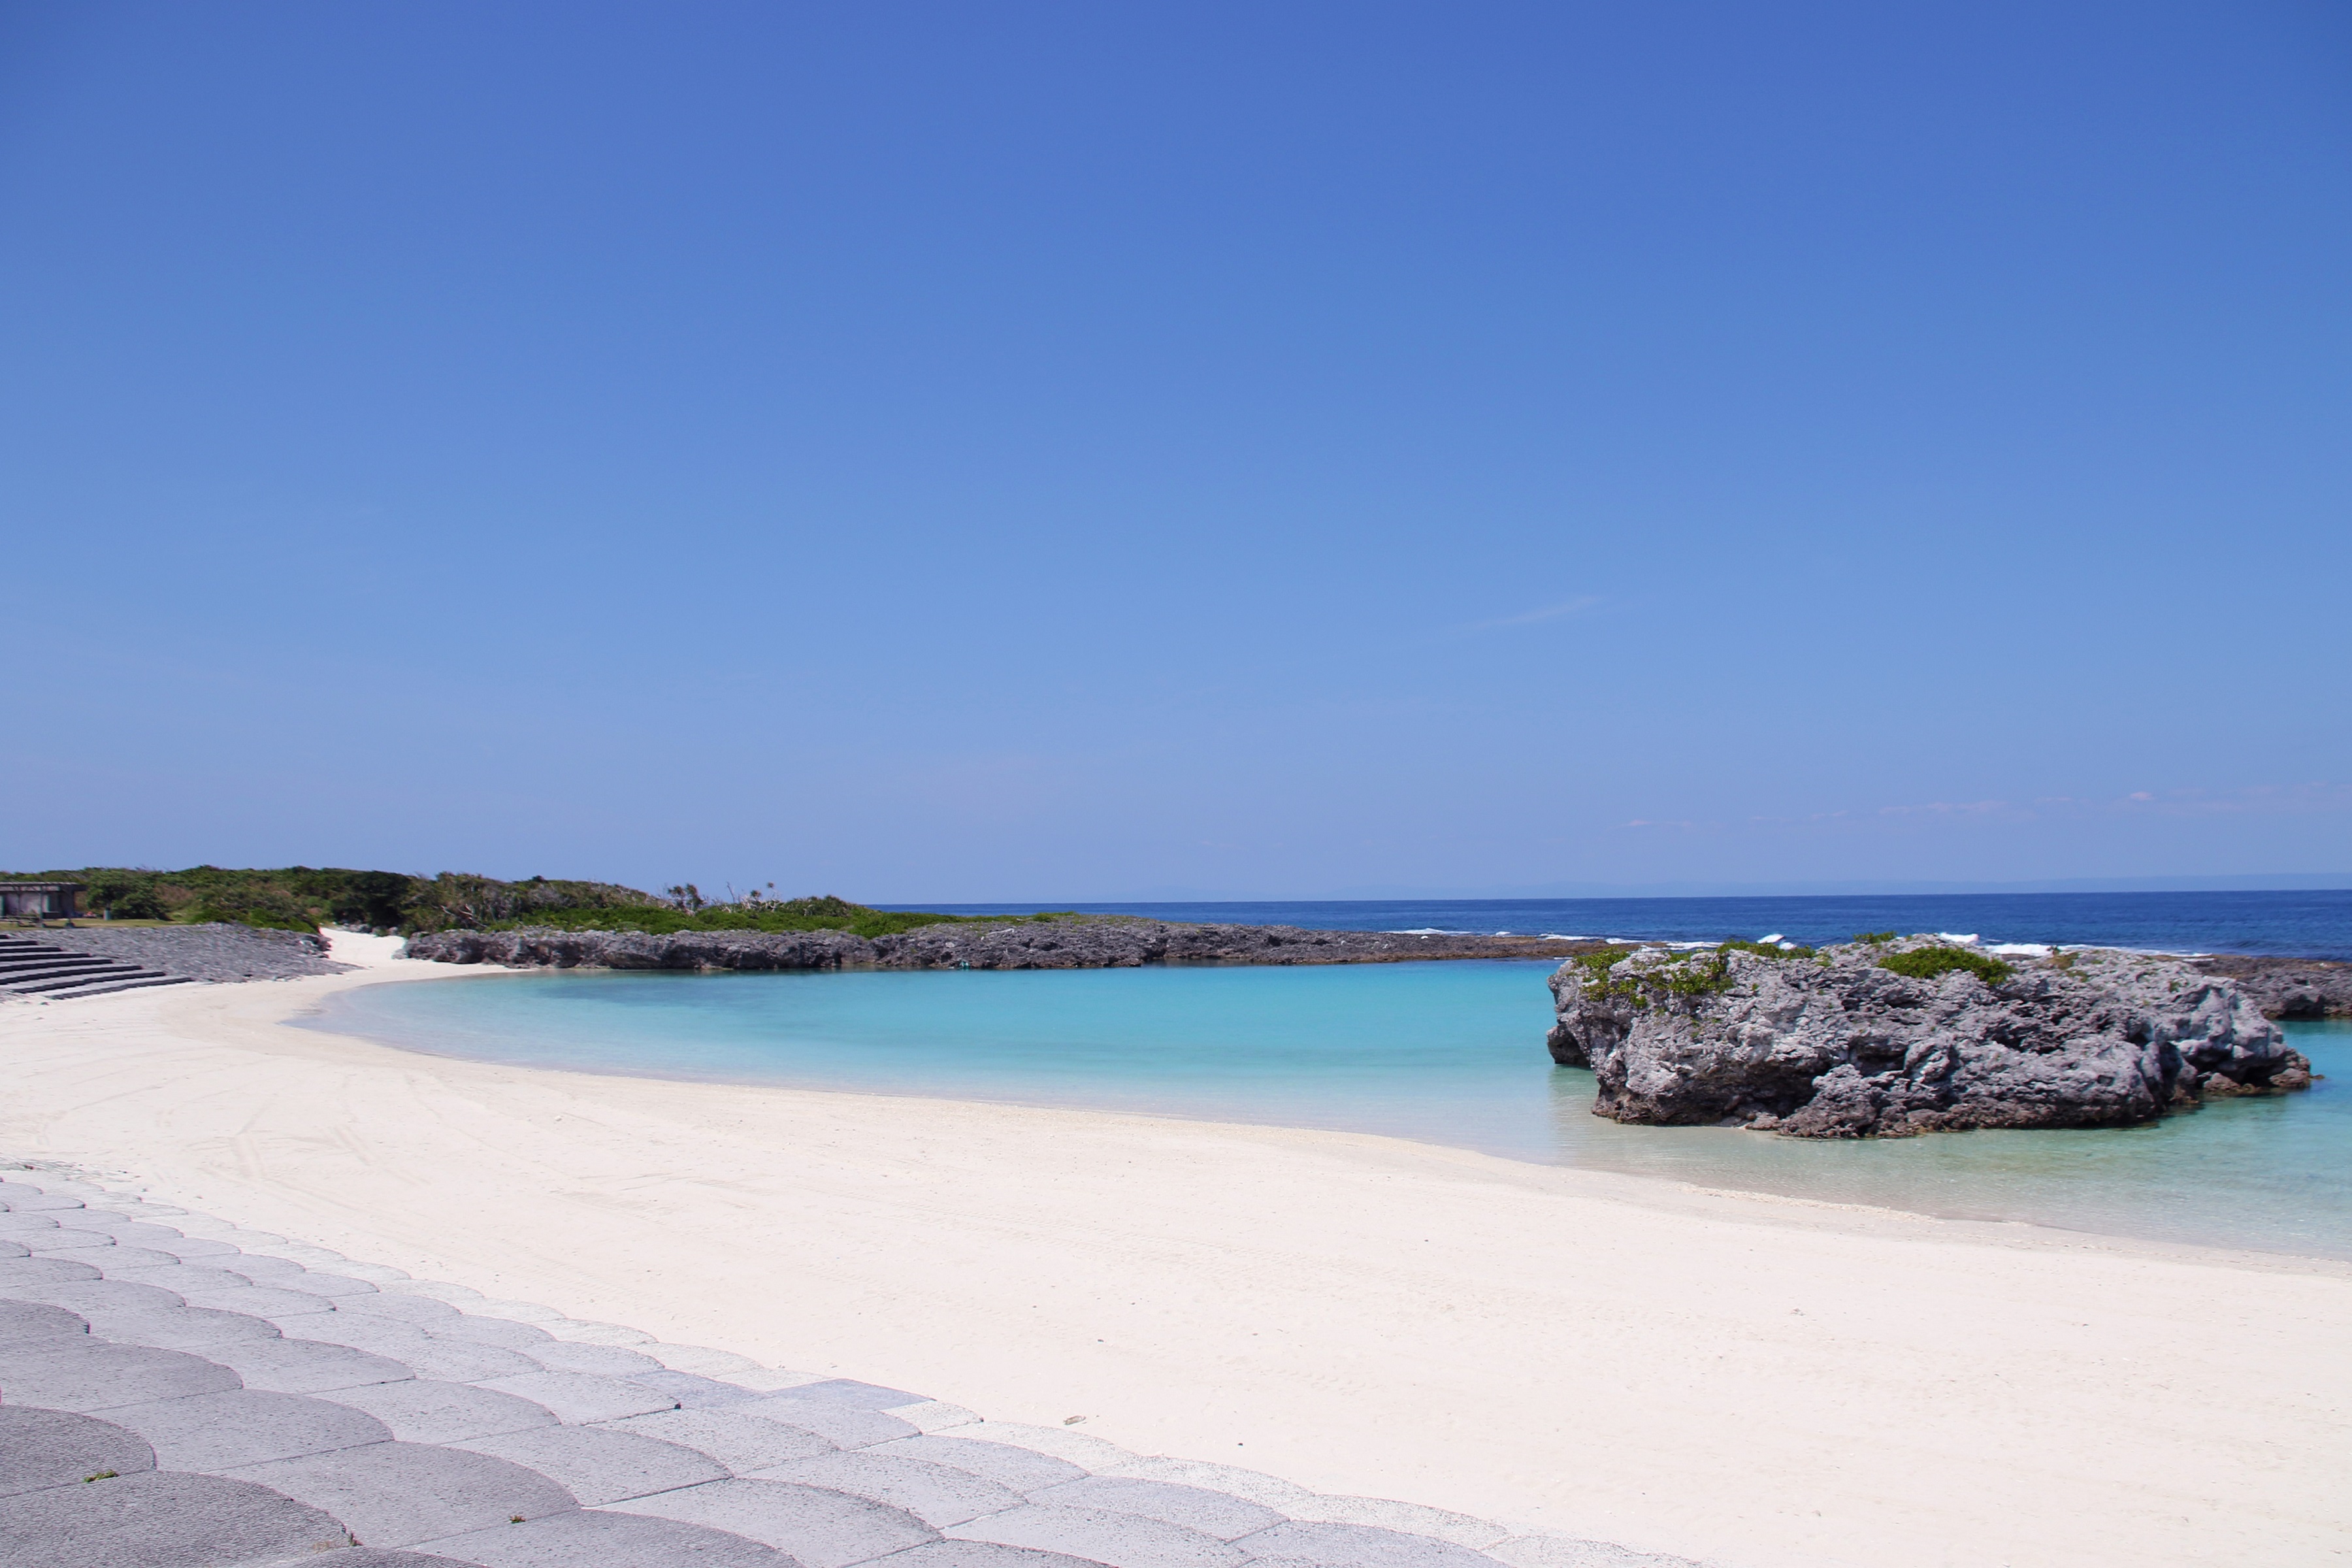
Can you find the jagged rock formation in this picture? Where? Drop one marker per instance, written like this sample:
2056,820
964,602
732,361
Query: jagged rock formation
1064,944
1837,1046
2287,987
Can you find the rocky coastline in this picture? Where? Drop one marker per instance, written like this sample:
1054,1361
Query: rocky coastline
2286,987
1063,944
2280,987
1840,1045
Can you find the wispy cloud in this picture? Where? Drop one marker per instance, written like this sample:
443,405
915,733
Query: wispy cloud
1527,618
1945,809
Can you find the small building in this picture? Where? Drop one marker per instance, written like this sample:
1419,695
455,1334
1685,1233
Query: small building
39,901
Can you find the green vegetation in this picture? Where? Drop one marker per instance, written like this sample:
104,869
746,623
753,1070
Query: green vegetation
1875,938
1699,974
826,914
1927,962
303,897
1767,949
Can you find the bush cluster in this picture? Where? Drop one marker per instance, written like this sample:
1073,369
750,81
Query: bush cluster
304,897
1927,962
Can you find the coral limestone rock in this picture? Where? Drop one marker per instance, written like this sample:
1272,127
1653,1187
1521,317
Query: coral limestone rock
1915,1036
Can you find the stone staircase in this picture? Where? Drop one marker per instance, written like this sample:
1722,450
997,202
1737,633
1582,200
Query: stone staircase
30,968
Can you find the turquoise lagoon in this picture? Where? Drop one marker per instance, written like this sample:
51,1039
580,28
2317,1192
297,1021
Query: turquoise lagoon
1444,1053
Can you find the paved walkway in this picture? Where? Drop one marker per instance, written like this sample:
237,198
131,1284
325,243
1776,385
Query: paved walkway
179,1393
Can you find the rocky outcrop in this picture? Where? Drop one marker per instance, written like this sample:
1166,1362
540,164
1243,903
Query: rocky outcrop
2287,987
1019,944
1838,1045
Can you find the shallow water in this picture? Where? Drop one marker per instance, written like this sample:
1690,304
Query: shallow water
1444,1052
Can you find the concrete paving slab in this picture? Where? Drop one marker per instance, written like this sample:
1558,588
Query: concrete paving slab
691,1392
213,1432
1099,1535
855,1395
1544,1549
822,1529
255,1301
160,1520
595,1538
360,1557
303,1366
843,1426
166,1273
1269,1491
599,1465
68,1238
452,1361
416,1311
134,1233
606,1361
397,1494
500,1331
427,1410
774,1379
378,1275
582,1397
1220,1514
29,1202
78,1371
318,1283
87,1294
935,1494
309,1256
460,1296
1089,1454
461,1361
982,1554
1411,1519
19,1274
515,1311
1023,1470
56,1448
739,1442
1011,1495
701,1359
176,1328
42,1179
581,1331
934,1416
361,1331
194,1249
33,1321
1303,1544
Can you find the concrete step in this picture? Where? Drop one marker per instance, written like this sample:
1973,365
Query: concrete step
62,967
133,984
85,977
18,980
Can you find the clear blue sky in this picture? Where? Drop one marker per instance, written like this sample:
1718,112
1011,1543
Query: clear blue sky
962,452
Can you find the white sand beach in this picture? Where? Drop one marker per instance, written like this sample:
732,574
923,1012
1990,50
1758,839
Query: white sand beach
1751,1381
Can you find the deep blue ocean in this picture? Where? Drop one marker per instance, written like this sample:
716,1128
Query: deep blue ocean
2305,924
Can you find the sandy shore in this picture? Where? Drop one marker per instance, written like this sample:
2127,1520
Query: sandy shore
1753,1380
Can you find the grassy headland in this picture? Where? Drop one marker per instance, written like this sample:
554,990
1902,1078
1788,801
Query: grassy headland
304,897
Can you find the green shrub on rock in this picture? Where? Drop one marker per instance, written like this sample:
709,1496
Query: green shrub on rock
1927,962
